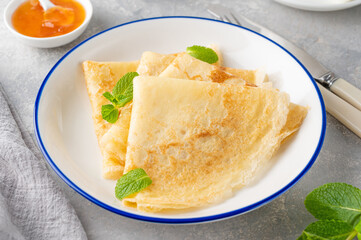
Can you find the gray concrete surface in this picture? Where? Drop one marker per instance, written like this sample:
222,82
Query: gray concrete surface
332,37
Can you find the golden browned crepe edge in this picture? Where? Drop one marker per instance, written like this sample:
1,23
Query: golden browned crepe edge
99,78
257,76
297,113
295,118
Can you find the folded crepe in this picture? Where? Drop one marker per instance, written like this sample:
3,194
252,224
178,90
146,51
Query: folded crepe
99,78
102,76
185,66
198,141
153,64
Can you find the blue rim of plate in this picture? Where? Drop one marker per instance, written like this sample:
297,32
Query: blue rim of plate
175,220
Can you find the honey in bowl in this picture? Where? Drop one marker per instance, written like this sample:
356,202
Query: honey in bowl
30,19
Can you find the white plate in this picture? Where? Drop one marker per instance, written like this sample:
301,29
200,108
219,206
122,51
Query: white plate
65,132
320,5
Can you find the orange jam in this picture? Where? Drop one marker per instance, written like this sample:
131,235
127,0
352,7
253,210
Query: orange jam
30,19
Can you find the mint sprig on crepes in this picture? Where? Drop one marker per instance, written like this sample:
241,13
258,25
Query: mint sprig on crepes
204,54
122,94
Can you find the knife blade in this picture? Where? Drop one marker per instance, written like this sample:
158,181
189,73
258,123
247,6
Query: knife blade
320,73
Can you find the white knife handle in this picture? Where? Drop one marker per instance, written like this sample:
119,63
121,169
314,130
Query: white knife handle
347,91
347,114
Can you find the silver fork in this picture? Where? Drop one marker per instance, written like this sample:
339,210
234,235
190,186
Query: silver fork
225,15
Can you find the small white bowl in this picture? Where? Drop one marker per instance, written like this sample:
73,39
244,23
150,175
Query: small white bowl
48,42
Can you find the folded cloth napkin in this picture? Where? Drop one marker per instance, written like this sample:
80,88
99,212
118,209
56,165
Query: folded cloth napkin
31,204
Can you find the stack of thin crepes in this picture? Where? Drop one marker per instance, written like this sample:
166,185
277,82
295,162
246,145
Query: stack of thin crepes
199,130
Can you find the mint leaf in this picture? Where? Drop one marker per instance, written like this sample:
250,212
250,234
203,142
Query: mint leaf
359,236
110,97
124,87
123,100
328,230
338,201
358,227
122,94
110,113
203,53
132,182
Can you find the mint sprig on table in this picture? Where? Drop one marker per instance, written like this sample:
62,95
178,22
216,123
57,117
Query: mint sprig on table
337,206
132,182
328,229
122,94
203,53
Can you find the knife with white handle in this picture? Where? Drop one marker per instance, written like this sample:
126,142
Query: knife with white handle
321,74
347,91
345,106
341,87
347,114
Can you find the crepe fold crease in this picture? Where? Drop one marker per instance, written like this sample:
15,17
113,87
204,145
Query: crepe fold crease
201,142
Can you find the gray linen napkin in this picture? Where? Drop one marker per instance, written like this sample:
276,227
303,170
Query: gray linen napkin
31,204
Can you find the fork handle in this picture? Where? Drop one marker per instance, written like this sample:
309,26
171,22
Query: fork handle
348,92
